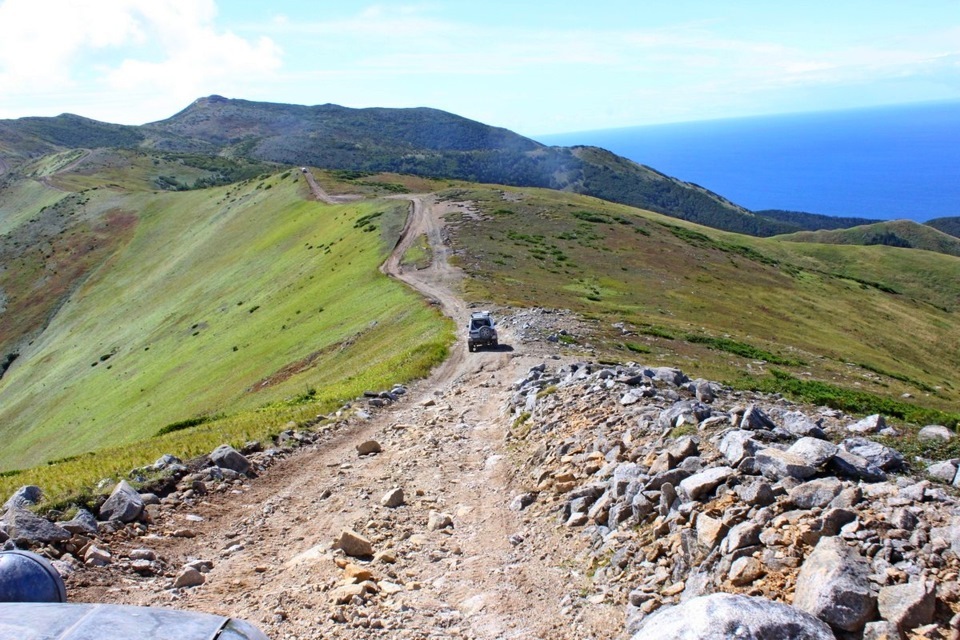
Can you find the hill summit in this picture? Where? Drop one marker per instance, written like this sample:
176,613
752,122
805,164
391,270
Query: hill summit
419,141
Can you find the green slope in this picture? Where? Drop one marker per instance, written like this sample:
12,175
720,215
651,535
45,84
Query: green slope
880,319
220,300
420,141
896,233
950,225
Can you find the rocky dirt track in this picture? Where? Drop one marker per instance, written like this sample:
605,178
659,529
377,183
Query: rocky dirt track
522,493
452,561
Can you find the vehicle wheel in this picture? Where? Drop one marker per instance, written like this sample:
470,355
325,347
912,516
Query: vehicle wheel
495,345
486,333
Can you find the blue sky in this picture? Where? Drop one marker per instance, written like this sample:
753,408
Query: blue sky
534,67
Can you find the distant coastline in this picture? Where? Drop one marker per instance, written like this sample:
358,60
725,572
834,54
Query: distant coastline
883,162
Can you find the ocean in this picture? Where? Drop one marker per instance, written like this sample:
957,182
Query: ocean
883,162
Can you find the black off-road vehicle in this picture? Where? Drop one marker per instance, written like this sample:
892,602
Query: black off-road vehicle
482,332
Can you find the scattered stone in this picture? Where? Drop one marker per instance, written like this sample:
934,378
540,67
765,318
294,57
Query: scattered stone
832,585
97,557
876,454
745,534
83,523
369,447
227,457
755,418
870,424
143,554
945,471
189,577
815,493
710,531
721,616
437,521
737,445
701,484
936,432
346,593
393,498
522,501
25,527
881,630
745,571
353,544
853,466
908,605
776,464
123,505
799,424
814,452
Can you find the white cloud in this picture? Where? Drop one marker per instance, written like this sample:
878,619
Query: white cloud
168,50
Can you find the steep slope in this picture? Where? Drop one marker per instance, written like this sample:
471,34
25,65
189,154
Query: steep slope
877,318
947,225
421,141
208,301
896,233
804,221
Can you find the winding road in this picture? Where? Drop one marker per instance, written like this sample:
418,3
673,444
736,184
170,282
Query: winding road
495,574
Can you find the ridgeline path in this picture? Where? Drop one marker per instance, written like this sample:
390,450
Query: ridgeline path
497,573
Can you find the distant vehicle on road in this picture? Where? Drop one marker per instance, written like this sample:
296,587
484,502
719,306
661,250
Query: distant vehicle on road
481,331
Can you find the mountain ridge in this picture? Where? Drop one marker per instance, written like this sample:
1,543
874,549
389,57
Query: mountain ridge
905,234
419,141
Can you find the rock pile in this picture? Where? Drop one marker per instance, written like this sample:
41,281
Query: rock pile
128,514
686,488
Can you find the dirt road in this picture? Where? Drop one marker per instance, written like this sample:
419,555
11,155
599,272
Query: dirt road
495,573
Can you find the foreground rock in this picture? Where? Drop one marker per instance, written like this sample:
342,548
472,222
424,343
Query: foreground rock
722,616
752,498
226,457
123,505
833,586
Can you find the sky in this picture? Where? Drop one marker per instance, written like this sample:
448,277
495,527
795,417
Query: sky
533,67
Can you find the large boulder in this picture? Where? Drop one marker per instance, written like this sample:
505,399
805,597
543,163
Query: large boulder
25,496
685,412
880,456
815,452
25,527
833,585
870,424
776,465
755,418
851,465
702,484
721,616
124,504
908,605
226,457
815,493
936,432
799,424
737,445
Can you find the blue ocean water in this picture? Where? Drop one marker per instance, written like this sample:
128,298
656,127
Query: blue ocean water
882,162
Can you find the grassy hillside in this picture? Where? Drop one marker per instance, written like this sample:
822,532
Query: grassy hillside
423,142
813,221
896,233
726,306
947,225
213,301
